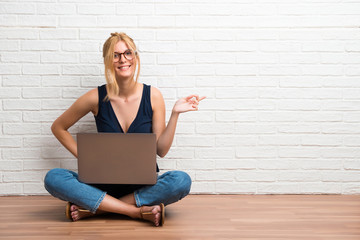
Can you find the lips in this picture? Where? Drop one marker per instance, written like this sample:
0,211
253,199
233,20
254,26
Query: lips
124,68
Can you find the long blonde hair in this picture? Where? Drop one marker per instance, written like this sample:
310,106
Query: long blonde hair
108,54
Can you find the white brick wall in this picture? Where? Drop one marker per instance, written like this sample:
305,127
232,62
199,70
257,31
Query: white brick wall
282,79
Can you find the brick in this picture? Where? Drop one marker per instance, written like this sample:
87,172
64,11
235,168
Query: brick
43,69
236,187
214,128
351,165
195,141
21,104
276,164
10,142
39,45
256,152
279,140
255,176
237,116
175,58
214,153
218,175
8,45
181,153
9,92
30,165
23,57
320,188
41,93
292,176
227,140
316,140
235,164
56,9
278,188
278,116
9,33
21,128
63,34
202,187
80,46
257,58
79,21
11,165
11,188
236,93
170,35
299,152
21,153
10,69
135,9
17,8
317,164
195,164
21,81
8,20
97,9
55,152
36,21
80,70
10,116
156,21
56,104
59,57
25,176
34,142
246,128
340,176
60,81
34,189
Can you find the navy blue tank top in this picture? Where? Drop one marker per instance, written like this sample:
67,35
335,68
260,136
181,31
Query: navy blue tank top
106,120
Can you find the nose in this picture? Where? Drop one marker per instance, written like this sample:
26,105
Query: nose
122,58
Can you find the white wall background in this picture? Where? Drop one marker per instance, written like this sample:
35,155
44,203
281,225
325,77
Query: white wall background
282,79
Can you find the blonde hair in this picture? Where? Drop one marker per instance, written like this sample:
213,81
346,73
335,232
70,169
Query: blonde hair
108,53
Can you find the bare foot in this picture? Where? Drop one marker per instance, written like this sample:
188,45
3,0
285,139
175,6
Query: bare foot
151,213
77,213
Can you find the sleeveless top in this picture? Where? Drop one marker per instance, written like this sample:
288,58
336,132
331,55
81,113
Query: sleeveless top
106,120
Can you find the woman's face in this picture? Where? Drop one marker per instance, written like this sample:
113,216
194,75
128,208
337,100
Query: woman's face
124,60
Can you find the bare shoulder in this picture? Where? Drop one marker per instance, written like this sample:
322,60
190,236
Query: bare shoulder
157,99
91,100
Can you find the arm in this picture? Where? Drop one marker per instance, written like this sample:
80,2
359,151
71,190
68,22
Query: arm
82,106
165,134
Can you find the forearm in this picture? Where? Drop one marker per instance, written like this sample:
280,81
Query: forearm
166,138
65,139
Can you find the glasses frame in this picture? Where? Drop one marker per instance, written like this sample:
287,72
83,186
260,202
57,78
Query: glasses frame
128,50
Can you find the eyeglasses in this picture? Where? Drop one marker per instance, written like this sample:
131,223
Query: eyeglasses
128,54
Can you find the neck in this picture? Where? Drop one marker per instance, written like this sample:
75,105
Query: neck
126,88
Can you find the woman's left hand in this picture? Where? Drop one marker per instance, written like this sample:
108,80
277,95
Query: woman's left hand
189,103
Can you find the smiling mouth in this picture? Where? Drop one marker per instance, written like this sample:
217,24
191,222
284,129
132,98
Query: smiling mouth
124,68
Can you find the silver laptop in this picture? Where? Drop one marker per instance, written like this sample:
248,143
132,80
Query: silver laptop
117,158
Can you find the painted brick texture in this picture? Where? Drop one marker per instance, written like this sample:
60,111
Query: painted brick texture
282,80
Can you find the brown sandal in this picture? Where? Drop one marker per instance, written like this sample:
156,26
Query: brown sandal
68,211
162,220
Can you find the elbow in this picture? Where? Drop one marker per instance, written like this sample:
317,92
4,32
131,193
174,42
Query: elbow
161,153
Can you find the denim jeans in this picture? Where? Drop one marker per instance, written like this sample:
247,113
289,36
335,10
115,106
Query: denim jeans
65,185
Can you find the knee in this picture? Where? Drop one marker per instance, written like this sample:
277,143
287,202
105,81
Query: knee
182,182
52,178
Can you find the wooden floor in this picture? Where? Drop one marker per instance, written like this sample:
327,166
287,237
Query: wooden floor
195,217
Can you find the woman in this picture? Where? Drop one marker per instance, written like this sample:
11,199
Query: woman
122,105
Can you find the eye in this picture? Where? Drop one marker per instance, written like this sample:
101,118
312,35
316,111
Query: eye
116,55
128,53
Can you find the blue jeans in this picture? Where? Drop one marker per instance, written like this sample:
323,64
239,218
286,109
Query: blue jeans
65,185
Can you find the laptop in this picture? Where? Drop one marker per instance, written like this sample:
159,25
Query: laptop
117,158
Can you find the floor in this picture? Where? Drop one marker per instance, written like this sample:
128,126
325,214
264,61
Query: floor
252,217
